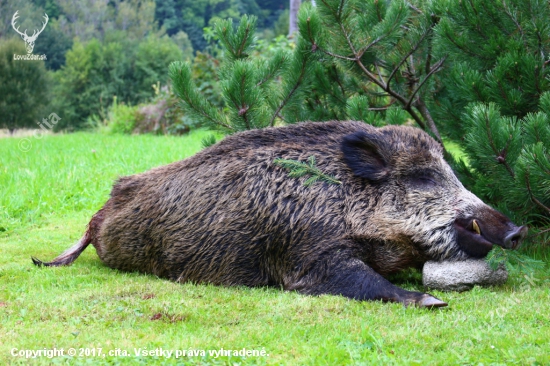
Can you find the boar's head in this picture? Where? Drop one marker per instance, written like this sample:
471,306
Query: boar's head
420,199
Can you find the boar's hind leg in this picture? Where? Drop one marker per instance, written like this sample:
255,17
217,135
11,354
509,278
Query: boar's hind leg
354,279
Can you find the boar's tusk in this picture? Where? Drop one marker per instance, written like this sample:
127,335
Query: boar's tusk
476,227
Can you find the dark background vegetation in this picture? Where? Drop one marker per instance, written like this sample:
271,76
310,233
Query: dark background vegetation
97,50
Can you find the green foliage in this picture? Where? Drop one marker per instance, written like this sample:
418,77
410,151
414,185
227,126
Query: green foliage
87,20
316,77
181,39
50,7
509,161
23,87
204,71
237,42
298,169
494,99
29,16
385,47
239,91
121,118
257,91
95,72
151,59
53,43
514,261
191,16
81,86
499,52
280,27
208,141
199,106
160,115
357,109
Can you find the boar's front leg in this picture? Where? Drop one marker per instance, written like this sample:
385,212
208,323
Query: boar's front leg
351,277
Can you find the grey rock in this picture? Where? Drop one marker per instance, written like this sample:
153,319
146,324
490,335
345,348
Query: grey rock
461,276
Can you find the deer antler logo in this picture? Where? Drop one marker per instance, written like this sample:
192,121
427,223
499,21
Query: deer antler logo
29,40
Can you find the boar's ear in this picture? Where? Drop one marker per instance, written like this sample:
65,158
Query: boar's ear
364,154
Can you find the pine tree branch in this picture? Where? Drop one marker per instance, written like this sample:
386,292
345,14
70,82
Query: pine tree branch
382,85
463,49
384,108
379,79
429,120
380,82
496,258
513,260
502,91
239,104
377,40
225,35
380,74
378,13
283,103
180,76
531,195
414,8
244,39
298,169
419,103
227,43
338,14
201,112
400,63
367,47
244,108
500,156
493,19
394,94
352,59
291,93
515,21
282,118
434,69
272,73
340,8
315,47
339,82
348,39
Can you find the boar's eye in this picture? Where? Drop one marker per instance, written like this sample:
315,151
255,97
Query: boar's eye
423,180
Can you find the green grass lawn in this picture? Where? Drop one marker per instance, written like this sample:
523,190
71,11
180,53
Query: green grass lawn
50,187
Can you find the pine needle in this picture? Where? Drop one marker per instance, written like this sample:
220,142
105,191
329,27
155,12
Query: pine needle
298,169
513,260
208,141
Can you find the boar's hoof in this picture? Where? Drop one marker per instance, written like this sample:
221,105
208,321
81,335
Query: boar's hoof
428,301
462,275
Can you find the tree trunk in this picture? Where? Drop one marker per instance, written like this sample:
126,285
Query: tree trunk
293,21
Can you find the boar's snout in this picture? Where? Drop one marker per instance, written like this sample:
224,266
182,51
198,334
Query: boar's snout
477,234
515,237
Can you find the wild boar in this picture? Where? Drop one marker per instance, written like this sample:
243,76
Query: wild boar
230,216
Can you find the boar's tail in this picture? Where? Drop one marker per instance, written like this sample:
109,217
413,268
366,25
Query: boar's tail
69,256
